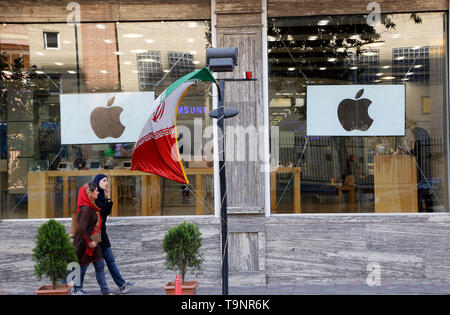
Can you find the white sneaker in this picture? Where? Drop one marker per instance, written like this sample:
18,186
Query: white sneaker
126,287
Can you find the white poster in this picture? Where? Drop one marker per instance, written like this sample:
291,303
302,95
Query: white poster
355,110
104,117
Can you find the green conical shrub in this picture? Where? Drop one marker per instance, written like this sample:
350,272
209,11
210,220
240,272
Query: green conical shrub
53,252
182,246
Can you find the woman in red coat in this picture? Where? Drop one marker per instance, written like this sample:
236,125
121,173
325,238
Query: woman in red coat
88,236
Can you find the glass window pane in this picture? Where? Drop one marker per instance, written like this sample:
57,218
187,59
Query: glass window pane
359,174
98,60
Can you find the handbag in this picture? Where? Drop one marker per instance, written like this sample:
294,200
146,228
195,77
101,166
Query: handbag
74,226
96,237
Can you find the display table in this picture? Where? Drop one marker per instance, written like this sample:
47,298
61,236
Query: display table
41,190
296,192
395,182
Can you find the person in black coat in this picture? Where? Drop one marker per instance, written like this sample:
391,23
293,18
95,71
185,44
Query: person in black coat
105,204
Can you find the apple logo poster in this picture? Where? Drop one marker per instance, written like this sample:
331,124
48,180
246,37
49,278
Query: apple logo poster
355,110
104,117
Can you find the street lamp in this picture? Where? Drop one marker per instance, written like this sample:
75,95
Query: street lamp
222,60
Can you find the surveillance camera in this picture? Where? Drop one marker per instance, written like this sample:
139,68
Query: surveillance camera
221,59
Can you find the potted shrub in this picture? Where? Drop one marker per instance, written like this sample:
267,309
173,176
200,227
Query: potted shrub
52,254
182,247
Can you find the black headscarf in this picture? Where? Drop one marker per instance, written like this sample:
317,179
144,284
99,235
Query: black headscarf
101,192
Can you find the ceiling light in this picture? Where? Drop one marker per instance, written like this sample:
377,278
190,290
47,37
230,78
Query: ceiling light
416,47
323,22
323,68
132,35
396,36
409,73
386,67
379,74
196,62
354,37
353,68
149,41
340,49
108,41
59,64
147,60
291,69
138,51
118,53
128,63
388,78
369,53
405,79
312,37
377,81
100,26
418,66
190,40
331,59
193,52
400,58
39,72
40,53
71,72
192,24
103,71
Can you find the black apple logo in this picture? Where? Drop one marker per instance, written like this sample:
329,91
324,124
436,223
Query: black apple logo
105,121
353,114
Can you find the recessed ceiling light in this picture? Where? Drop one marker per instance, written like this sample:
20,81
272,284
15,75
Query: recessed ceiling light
418,66
388,78
132,35
147,60
353,68
291,69
323,68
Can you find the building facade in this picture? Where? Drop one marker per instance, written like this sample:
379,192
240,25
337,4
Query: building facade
301,207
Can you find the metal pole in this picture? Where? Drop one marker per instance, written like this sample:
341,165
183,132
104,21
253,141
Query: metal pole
223,188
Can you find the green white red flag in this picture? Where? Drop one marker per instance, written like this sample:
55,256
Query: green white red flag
156,151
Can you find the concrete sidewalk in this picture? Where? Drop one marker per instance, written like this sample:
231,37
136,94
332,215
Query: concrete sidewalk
335,289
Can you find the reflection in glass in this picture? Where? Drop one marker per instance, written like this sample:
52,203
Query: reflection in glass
360,174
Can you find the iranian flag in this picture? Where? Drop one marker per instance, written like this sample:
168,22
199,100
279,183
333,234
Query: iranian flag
156,150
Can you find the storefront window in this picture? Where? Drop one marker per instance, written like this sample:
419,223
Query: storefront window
41,171
359,174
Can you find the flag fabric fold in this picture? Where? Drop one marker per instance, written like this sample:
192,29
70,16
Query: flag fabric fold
156,150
